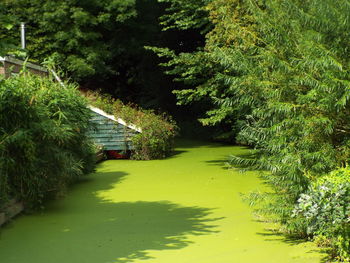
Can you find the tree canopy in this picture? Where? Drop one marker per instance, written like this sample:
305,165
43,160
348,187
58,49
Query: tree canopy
77,35
7,24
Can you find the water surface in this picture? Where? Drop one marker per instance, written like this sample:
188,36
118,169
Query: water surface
186,209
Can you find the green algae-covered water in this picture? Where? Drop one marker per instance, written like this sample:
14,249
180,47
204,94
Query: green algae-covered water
184,209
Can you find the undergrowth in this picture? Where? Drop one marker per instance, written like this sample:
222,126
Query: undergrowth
43,142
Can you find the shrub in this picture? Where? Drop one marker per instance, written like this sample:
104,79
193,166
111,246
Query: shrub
326,211
158,130
43,142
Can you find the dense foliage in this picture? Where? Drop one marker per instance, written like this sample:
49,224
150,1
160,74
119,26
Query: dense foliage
324,210
275,72
156,140
43,145
185,14
6,24
278,71
100,44
78,35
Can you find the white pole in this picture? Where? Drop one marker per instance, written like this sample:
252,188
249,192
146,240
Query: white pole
23,35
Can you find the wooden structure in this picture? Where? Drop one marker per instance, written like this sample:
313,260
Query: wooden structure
107,131
10,65
111,133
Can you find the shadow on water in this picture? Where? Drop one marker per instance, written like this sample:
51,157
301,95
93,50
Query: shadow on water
189,144
270,235
175,154
222,163
85,228
183,145
273,236
227,162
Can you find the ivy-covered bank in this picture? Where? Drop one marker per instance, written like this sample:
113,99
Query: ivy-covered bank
156,141
43,142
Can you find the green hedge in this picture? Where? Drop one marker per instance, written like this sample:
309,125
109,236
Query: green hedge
43,142
156,140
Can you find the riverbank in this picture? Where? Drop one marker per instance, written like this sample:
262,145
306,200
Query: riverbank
10,210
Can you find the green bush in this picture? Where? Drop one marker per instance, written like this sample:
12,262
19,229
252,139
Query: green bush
43,142
325,209
156,140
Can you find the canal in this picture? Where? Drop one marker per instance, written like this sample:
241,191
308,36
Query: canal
185,209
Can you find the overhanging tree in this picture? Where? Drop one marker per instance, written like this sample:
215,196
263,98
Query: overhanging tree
280,71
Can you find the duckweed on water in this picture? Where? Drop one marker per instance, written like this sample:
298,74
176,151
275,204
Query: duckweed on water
183,209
